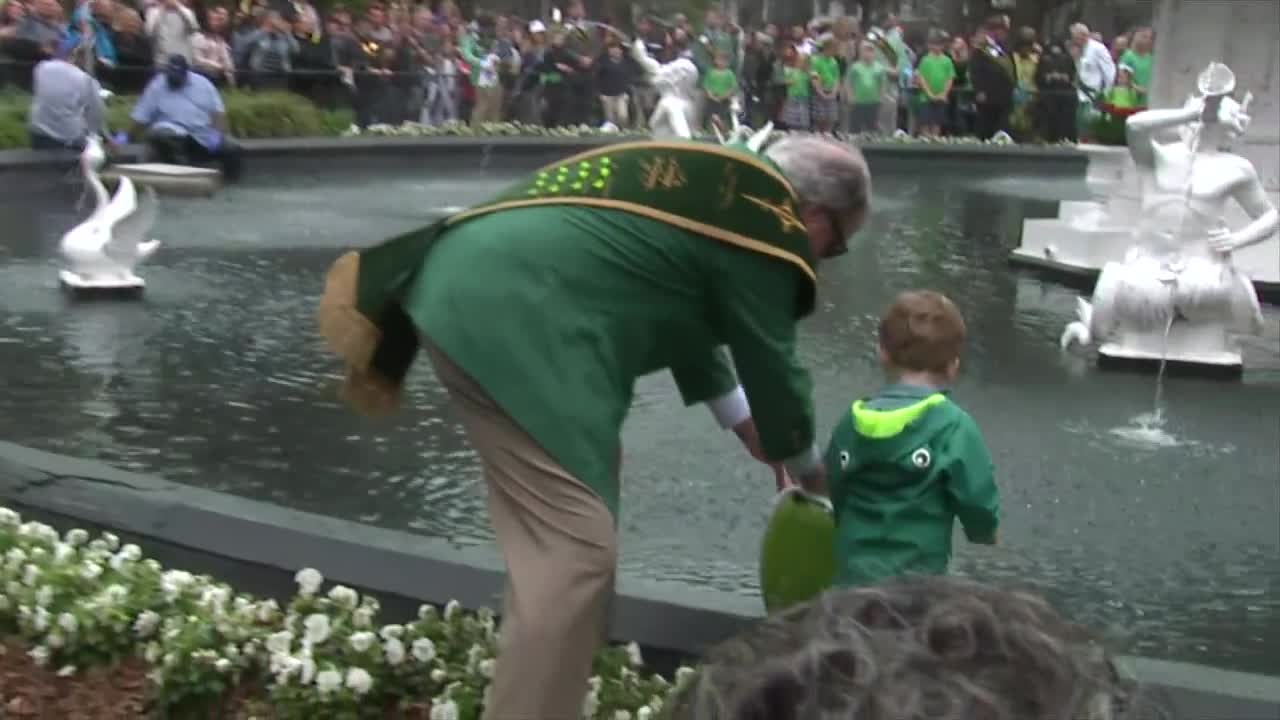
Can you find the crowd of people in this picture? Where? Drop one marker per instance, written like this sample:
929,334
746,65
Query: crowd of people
396,63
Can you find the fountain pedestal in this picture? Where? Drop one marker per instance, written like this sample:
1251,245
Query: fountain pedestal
124,287
1205,347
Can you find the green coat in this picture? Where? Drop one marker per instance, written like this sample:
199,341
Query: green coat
617,263
902,468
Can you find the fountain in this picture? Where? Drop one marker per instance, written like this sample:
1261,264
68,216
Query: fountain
1176,295
676,114
103,250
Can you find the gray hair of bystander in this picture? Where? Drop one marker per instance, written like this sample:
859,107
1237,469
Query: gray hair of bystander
922,648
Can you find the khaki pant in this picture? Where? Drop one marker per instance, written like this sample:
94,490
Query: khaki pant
560,547
488,106
616,109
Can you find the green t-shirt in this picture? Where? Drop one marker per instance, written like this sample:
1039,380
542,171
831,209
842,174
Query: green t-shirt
1141,65
719,82
935,71
828,70
866,82
1123,98
797,82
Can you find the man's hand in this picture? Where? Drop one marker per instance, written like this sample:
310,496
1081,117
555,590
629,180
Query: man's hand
746,432
815,482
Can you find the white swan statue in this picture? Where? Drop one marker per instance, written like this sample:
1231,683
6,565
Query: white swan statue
103,250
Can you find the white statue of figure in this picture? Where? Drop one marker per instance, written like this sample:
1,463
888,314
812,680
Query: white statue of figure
103,250
1180,268
676,114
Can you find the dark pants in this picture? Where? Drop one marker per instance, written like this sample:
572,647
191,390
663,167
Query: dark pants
1058,115
40,141
992,118
170,147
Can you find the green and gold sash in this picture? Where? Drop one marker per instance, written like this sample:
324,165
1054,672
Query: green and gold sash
724,194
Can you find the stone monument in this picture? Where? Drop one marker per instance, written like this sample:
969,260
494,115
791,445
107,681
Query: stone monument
1189,35
1177,294
103,250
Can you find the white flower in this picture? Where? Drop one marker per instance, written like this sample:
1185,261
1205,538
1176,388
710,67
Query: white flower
451,610
359,680
77,536
309,581
146,623
152,652
131,552
590,704
174,582
427,613
55,640
394,650
622,715
44,596
344,597
474,655
447,710
91,571
30,575
4,601
633,655
362,617
40,655
280,642
111,540
15,557
62,551
222,664
66,671
68,622
391,631
215,599
9,518
328,680
486,668
594,683
424,651
306,667
683,675
362,641
644,713
317,628
39,532
267,610
438,675
42,620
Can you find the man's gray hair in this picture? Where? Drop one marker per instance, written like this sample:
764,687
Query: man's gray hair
934,648
827,173
1079,29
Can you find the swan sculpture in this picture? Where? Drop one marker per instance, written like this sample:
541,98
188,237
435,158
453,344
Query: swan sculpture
103,250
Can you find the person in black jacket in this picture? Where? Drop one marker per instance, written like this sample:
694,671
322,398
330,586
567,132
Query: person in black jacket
992,73
1056,108
558,68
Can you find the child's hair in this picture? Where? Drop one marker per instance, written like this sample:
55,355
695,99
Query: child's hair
922,332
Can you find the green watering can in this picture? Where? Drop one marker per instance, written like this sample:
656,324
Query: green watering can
797,558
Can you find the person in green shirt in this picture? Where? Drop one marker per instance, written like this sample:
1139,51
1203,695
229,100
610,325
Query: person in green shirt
720,85
795,74
863,88
1139,57
904,464
824,72
935,75
1118,103
541,308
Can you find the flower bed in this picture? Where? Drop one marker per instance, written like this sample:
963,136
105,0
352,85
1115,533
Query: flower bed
90,628
280,114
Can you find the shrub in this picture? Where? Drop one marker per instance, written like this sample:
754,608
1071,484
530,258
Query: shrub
76,604
249,115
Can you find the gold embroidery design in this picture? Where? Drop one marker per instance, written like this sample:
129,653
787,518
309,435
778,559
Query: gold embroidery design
664,172
729,186
784,211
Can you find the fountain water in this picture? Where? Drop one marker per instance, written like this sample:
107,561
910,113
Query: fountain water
1176,296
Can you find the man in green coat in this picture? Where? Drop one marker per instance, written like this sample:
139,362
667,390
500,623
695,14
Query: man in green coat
541,308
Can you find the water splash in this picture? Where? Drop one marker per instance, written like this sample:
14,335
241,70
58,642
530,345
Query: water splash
1147,430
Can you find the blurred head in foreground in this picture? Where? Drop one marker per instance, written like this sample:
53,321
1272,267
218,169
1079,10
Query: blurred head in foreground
921,648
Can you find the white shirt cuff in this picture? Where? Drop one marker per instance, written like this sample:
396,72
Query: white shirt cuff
731,408
804,463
